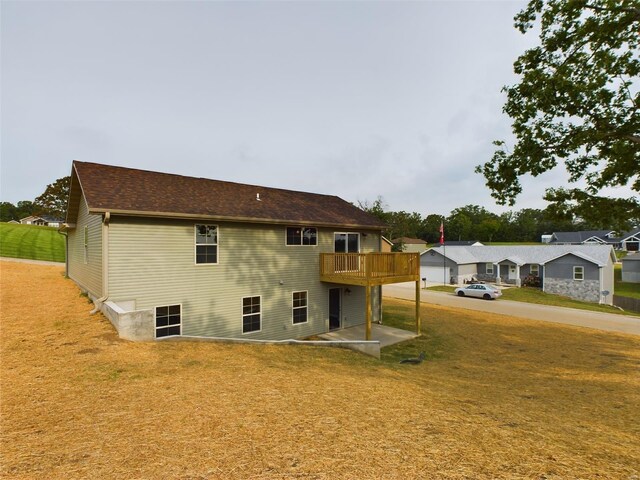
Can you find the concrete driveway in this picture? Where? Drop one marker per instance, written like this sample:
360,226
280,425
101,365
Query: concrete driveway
569,316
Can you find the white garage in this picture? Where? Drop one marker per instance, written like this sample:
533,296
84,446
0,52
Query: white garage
435,274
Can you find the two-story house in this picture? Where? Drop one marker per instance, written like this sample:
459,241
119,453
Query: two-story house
163,255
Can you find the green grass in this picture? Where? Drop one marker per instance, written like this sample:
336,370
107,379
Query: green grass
31,242
533,295
624,289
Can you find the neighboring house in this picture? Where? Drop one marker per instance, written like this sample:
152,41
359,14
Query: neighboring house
578,271
602,237
164,255
13,221
631,268
42,220
630,241
411,244
546,238
386,245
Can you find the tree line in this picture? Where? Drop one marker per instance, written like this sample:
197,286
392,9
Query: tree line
473,222
52,202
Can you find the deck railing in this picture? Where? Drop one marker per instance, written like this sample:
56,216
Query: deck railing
369,268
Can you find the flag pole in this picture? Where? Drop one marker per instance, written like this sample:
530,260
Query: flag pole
444,253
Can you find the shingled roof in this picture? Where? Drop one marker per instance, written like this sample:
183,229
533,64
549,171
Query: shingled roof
129,191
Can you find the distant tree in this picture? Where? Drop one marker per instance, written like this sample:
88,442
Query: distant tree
432,228
577,102
25,208
54,199
8,212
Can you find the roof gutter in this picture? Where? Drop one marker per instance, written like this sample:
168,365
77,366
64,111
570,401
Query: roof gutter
105,263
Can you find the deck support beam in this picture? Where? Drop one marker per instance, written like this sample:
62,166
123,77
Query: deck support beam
368,312
418,325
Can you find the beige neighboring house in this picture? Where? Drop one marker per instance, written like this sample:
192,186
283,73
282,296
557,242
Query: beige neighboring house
411,244
386,245
167,255
42,221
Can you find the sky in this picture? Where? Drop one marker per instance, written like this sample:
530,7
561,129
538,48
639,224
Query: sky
356,99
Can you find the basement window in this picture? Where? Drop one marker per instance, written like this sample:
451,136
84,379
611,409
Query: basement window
299,305
168,321
251,314
206,244
578,273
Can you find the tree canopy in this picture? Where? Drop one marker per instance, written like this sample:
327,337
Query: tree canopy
54,199
577,102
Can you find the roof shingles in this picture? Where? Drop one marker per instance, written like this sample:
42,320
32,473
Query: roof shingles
142,192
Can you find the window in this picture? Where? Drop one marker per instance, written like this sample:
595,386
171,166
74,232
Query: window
302,236
299,307
578,273
489,268
250,314
535,270
346,242
206,244
168,321
86,244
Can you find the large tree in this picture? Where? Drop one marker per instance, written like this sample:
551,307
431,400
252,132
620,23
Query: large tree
54,199
577,102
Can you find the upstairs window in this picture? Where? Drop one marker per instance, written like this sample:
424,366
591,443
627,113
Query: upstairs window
346,242
578,273
302,236
206,244
251,314
299,307
168,321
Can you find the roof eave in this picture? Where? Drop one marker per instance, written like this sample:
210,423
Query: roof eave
194,216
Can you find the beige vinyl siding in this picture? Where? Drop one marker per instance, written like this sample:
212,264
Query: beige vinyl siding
152,262
88,275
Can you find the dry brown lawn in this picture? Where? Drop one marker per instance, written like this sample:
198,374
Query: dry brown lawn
499,397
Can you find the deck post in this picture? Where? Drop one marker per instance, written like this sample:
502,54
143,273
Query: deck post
368,312
418,307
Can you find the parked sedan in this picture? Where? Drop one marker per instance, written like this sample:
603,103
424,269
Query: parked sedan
479,290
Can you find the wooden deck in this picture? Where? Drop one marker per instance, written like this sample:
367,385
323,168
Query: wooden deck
369,269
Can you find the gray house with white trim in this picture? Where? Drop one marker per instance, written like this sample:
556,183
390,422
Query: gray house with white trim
166,255
583,272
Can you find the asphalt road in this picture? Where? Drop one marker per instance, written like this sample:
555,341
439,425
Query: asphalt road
569,316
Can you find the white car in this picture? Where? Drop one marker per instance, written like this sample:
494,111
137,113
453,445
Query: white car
479,290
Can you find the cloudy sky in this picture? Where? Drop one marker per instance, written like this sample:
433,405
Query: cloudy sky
357,99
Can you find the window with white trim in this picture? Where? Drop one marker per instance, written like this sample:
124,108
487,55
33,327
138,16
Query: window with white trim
302,236
206,244
578,273
535,270
86,244
168,320
251,314
299,306
489,269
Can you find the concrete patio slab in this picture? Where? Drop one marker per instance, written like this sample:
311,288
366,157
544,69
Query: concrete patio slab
385,335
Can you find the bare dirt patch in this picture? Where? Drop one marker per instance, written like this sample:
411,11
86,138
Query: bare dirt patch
499,397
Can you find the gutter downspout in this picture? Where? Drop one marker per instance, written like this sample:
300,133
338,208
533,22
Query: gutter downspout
66,252
105,264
